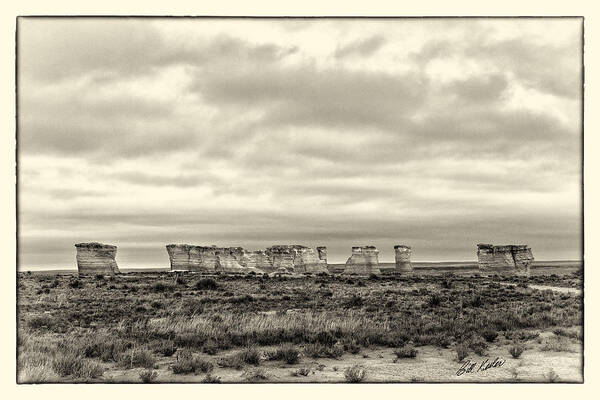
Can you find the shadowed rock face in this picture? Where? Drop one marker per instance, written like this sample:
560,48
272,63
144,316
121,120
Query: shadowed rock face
403,263
364,260
96,258
292,258
509,258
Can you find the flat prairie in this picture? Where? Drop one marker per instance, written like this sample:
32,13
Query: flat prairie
435,325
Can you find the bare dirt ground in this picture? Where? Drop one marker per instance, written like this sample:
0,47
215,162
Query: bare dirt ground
161,327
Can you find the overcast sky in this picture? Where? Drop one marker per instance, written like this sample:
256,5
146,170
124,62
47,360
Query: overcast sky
436,133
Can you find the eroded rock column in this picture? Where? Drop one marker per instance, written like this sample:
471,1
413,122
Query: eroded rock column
96,258
363,261
403,253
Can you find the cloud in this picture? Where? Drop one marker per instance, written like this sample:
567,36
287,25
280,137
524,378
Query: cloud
362,48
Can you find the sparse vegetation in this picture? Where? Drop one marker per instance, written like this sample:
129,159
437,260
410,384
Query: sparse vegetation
85,325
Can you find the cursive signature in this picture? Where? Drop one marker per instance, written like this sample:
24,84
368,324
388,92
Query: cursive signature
470,367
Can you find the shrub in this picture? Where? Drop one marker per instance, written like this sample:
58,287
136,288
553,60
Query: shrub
165,348
489,335
41,321
289,354
211,379
516,350
76,284
355,374
551,376
72,364
355,301
462,352
434,300
406,352
137,358
188,363
351,346
105,348
250,355
206,284
231,361
148,375
301,372
479,346
210,347
318,350
256,375
160,287
556,344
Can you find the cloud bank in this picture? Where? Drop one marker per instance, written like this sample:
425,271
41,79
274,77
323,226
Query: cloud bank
435,133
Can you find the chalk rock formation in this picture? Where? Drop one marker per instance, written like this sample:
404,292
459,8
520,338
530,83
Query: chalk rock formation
185,257
364,260
293,258
96,258
508,258
403,264
297,259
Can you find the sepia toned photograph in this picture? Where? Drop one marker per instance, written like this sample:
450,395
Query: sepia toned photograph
299,200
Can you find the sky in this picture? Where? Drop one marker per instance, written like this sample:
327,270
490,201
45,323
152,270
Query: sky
434,133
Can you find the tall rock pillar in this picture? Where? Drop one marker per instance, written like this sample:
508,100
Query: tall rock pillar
403,253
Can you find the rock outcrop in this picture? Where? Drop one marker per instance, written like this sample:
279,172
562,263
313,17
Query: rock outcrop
403,264
96,258
363,261
504,259
292,258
